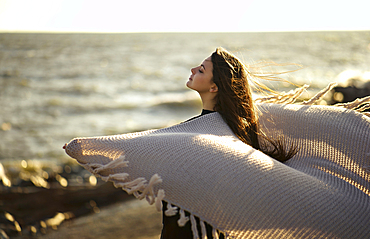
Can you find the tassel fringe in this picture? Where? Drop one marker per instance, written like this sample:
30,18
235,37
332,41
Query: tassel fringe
320,95
214,233
158,202
194,227
283,98
171,211
362,103
139,187
118,177
204,231
118,163
359,105
183,219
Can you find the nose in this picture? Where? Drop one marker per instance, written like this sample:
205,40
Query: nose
192,70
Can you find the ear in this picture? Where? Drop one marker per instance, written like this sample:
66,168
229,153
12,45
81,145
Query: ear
214,88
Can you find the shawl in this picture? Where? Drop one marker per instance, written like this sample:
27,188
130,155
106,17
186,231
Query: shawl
200,166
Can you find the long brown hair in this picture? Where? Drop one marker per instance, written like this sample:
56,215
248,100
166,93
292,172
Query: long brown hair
235,104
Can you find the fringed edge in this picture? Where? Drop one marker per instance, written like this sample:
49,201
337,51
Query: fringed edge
194,227
293,95
359,105
203,230
183,219
119,162
139,187
318,97
283,98
160,197
215,233
171,211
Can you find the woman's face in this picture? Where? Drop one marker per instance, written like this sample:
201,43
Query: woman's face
201,77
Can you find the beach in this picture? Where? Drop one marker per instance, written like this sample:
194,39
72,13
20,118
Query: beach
55,87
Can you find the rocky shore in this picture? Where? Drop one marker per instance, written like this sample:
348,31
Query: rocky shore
40,199
123,220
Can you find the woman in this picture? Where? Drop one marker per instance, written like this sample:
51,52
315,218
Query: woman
222,82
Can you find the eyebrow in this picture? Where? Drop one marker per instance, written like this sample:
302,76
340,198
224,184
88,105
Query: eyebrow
203,66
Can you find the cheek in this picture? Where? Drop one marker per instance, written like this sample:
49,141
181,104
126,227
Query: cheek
199,81
203,79
202,83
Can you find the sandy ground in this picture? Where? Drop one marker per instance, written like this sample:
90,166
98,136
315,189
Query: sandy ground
131,219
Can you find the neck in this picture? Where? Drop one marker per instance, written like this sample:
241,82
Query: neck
208,101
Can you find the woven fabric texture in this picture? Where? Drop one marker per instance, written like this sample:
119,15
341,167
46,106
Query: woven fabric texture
200,166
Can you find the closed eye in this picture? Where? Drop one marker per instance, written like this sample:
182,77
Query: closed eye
201,68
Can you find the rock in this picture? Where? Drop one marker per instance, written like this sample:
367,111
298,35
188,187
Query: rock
30,211
357,85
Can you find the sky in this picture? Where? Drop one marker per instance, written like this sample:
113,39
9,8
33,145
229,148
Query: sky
182,16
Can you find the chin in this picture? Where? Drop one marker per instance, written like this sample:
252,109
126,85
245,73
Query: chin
188,84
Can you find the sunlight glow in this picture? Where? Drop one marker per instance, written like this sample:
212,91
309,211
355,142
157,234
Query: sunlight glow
184,16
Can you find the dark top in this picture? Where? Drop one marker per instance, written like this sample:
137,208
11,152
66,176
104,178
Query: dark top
204,112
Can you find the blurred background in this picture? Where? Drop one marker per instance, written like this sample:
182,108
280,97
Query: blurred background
89,68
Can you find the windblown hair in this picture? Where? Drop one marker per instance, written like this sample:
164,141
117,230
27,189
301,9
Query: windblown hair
234,102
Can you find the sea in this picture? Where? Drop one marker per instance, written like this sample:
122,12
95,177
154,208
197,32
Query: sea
54,87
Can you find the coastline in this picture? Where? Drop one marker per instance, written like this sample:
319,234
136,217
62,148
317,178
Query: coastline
123,220
36,197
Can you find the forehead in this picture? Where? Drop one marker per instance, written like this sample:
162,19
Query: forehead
208,63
